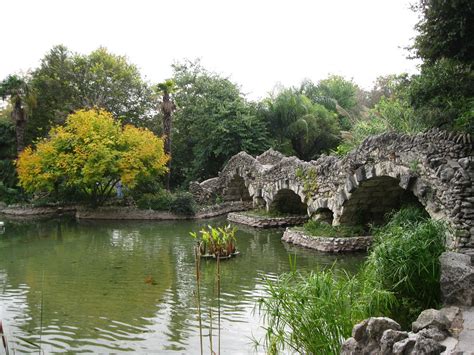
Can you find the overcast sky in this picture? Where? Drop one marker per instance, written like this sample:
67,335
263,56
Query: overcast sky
257,43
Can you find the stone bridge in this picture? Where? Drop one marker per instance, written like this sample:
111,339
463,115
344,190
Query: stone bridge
433,169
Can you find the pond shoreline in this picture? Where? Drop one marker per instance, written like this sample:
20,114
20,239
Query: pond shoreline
118,213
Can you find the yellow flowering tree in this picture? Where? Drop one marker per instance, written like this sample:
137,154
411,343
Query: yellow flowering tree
91,153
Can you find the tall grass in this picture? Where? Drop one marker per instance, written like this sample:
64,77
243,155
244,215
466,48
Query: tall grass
313,313
405,260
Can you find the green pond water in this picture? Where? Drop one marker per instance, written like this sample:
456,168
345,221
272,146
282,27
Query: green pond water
68,286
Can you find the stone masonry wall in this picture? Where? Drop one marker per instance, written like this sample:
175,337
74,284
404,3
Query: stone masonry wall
327,244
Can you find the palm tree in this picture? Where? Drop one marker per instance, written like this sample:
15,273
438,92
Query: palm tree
23,100
167,107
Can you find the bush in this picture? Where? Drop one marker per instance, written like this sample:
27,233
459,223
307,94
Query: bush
160,201
183,204
10,195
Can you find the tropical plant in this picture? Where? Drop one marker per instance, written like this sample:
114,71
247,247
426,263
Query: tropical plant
216,241
167,107
90,154
23,100
299,126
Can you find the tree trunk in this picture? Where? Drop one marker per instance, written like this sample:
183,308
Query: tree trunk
167,108
19,117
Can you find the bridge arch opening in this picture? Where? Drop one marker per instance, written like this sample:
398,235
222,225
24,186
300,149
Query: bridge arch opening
374,199
236,190
324,215
288,202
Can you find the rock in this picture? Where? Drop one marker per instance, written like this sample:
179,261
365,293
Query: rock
431,318
351,347
378,325
359,331
427,346
433,333
457,279
389,338
404,346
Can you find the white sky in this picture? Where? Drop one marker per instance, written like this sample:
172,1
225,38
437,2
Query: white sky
257,43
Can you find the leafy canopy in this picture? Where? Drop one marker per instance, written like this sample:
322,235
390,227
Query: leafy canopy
67,81
213,121
90,154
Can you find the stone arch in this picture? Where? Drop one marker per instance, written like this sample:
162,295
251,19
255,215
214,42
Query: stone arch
288,201
236,190
323,214
373,199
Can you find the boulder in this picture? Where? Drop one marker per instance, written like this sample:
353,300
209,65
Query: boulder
431,318
457,279
389,338
376,326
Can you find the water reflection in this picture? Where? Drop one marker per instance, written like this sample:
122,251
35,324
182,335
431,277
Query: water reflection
110,286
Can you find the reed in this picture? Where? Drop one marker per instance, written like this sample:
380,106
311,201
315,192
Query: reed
313,313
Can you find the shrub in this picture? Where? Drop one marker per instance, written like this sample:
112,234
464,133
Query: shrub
160,201
10,195
183,204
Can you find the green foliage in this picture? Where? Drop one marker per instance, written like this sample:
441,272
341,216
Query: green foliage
309,180
183,203
445,30
337,94
212,123
415,166
404,259
313,313
443,95
320,229
90,155
10,195
66,82
216,241
300,126
160,201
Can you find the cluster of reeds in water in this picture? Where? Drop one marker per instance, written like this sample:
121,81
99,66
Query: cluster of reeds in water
215,242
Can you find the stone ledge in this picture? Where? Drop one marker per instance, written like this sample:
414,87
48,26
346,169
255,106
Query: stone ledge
327,244
266,222
119,213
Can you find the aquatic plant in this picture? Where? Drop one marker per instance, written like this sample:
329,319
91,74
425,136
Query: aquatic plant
215,242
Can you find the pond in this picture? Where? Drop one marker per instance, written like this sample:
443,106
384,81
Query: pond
130,286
